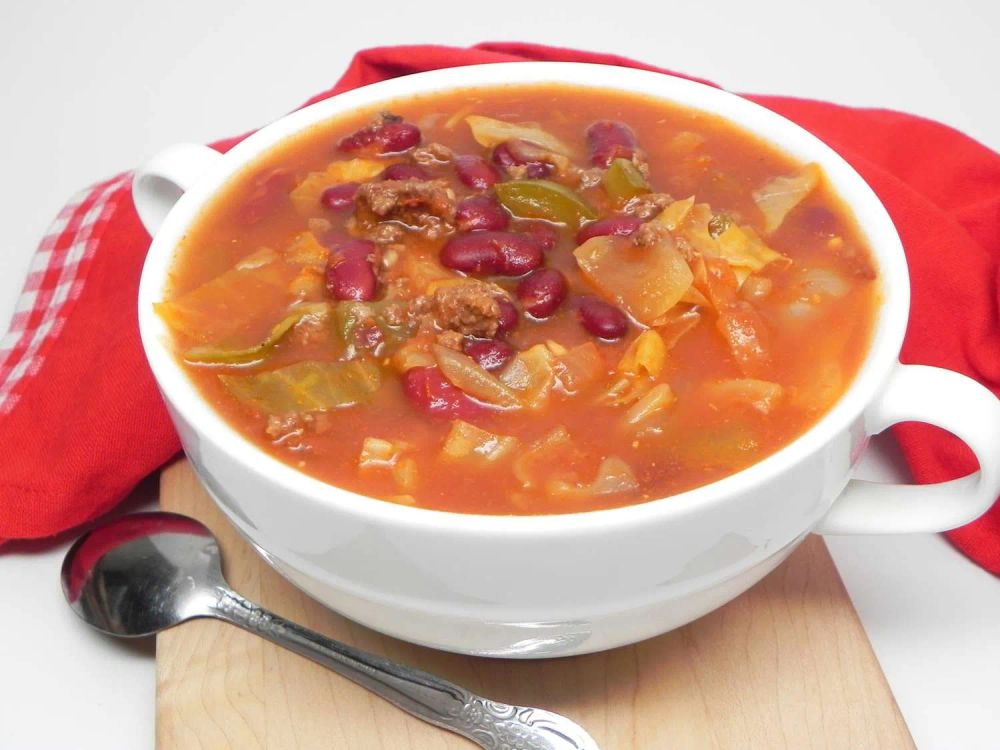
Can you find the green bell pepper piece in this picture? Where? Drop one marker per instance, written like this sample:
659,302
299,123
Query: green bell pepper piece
544,199
216,355
623,180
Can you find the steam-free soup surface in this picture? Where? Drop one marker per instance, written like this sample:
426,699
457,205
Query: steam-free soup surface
524,300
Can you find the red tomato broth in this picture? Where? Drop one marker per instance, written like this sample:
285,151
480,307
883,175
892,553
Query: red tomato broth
814,357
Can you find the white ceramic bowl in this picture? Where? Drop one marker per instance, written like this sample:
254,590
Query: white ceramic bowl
569,584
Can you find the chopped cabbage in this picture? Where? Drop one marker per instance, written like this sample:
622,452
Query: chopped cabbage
532,375
306,386
779,196
489,132
646,281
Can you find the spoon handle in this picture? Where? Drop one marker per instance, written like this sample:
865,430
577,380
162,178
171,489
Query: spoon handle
437,701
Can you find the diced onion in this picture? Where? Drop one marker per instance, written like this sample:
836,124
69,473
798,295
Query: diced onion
378,453
660,397
414,353
578,367
614,476
465,440
464,373
626,390
406,474
531,464
761,395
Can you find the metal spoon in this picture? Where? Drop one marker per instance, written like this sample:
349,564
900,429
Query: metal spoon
140,574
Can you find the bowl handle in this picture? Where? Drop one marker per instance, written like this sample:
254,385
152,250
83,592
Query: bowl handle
160,182
959,404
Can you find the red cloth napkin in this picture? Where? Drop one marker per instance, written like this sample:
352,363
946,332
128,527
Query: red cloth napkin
81,421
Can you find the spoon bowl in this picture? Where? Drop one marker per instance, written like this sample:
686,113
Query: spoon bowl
139,574
143,573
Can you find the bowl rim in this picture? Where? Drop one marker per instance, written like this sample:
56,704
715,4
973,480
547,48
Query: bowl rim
870,215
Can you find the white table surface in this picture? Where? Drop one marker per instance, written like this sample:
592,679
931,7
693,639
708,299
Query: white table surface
88,89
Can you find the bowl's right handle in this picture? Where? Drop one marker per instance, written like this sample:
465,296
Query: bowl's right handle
959,404
159,183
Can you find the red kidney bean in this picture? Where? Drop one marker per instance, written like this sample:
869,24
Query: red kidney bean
268,190
541,292
509,317
405,172
480,212
609,140
532,156
427,388
544,233
472,253
618,225
504,156
502,253
475,172
391,136
339,196
397,137
349,273
490,354
601,319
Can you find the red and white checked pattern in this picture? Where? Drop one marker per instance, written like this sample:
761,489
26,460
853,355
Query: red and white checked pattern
55,280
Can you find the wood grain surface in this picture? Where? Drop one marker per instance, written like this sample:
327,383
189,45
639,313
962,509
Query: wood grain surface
786,665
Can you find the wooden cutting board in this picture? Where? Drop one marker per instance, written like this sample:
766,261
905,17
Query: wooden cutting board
786,665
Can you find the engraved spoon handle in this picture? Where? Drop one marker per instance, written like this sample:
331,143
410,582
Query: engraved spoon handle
491,725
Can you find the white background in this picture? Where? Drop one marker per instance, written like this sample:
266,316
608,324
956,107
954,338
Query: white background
89,89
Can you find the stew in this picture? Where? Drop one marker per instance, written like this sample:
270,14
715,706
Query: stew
523,300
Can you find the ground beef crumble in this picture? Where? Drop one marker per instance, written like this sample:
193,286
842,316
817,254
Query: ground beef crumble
385,233
431,153
469,307
283,427
425,206
649,234
647,206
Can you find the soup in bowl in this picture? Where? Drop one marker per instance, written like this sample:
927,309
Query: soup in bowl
534,359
